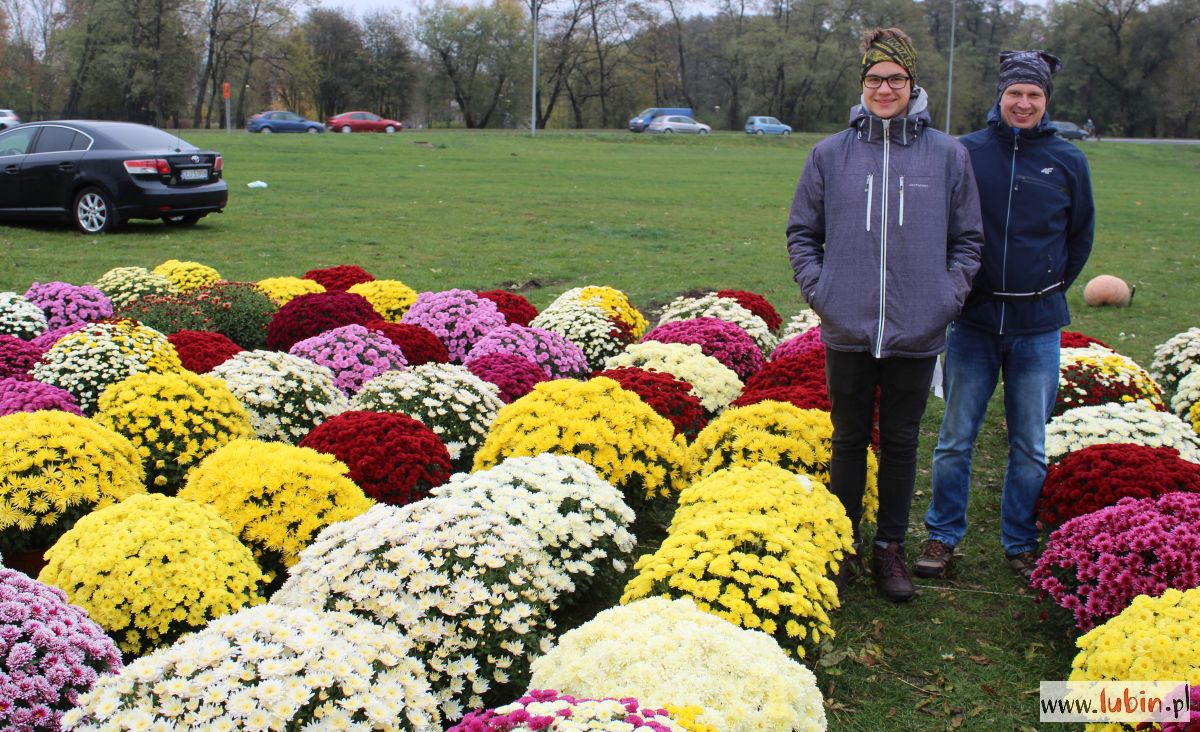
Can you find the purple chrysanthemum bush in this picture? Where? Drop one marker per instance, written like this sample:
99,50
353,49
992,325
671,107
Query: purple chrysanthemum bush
354,354
559,357
19,395
66,304
460,318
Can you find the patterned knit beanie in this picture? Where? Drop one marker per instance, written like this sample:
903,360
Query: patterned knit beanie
1027,67
889,44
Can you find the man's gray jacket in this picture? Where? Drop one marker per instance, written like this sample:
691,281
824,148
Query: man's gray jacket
885,234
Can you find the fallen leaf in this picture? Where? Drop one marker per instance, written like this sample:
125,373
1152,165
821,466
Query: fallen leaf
981,660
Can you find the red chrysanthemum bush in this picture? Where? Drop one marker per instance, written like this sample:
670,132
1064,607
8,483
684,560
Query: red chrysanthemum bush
1095,564
394,458
756,304
341,277
722,340
805,369
201,351
1094,477
419,344
17,357
670,397
1092,376
805,396
516,309
308,315
514,375
1075,339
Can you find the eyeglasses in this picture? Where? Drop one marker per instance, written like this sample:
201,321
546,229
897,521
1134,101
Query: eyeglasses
896,82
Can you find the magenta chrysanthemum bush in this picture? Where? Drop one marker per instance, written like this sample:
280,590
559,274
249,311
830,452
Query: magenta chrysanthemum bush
308,315
809,340
67,304
47,340
514,375
460,318
17,357
17,395
1095,564
354,355
724,341
558,356
546,709
53,653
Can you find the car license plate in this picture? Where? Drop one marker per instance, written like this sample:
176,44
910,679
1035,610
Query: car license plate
193,174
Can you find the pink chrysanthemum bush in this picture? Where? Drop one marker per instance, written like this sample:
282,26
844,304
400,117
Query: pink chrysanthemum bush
394,458
460,318
756,304
309,315
609,428
546,709
722,308
174,421
20,318
516,308
201,351
52,654
339,277
558,356
88,361
50,337
798,345
667,395
152,568
513,375
1089,479
18,395
473,592
724,341
354,354
419,344
18,357
1095,564
66,304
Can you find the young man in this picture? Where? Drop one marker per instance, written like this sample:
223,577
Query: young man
1038,218
884,238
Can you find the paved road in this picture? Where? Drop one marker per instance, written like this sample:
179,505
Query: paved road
1147,141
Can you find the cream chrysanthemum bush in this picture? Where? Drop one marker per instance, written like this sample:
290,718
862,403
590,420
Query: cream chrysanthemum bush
664,652
268,668
782,434
151,568
1174,358
1105,424
613,430
390,298
286,396
283,290
755,546
588,326
21,318
578,517
456,404
713,383
1153,638
800,322
88,361
187,276
722,308
126,285
473,592
1187,394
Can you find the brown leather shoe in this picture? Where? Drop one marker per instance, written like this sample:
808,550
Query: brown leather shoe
891,572
850,569
934,560
1022,563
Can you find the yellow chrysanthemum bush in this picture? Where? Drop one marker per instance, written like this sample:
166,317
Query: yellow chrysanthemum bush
174,420
283,289
56,467
390,298
613,430
756,546
1153,638
799,440
151,568
187,275
87,361
276,496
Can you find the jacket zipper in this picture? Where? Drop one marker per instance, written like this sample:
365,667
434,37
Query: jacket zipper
883,211
870,195
1012,179
902,200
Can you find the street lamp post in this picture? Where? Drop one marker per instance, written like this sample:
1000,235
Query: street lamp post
950,73
534,6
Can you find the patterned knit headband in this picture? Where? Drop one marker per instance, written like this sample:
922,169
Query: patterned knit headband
895,50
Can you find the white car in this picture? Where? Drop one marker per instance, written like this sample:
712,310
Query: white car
671,123
8,118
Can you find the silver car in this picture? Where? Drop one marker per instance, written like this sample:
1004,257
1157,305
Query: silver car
8,118
671,123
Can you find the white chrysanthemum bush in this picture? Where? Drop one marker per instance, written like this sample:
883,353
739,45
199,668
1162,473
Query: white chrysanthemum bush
471,590
1105,424
663,652
1175,358
713,383
286,396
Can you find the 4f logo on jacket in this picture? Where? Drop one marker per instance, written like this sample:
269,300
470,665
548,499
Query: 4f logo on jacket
1046,171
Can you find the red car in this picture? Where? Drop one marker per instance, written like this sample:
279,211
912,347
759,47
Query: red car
362,122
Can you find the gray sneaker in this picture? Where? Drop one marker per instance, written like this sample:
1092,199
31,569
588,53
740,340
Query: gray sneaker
935,559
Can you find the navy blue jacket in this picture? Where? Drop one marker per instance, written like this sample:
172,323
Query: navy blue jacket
1035,193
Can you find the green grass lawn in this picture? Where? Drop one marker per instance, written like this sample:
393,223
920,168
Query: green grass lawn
656,216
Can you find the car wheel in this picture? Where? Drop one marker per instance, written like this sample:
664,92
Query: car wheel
703,132
266,130
390,129
758,132
93,212
311,130
787,132
668,131
346,129
187,220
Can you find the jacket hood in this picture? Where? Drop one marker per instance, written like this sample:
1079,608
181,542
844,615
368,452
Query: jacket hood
1043,129
905,129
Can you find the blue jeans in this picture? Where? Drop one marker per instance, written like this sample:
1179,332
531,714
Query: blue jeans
974,361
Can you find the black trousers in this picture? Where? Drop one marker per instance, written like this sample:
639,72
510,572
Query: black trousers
903,384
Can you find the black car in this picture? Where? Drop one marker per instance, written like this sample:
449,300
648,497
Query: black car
99,174
1069,130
